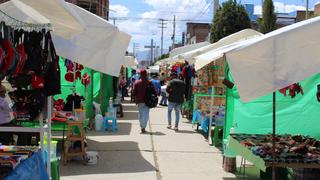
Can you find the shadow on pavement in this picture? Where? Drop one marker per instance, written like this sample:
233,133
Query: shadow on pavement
111,161
123,129
155,133
186,132
130,116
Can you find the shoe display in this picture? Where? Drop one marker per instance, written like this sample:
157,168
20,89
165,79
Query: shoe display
288,148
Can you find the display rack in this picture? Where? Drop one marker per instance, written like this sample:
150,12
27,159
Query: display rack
17,24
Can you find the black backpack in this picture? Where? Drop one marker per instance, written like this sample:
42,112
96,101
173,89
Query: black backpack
151,97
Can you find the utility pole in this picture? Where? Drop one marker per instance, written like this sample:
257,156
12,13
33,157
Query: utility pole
151,50
307,9
134,48
215,6
174,31
162,26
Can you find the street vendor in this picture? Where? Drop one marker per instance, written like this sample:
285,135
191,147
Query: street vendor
5,116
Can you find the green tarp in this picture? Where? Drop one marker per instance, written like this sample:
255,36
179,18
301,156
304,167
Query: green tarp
92,92
299,115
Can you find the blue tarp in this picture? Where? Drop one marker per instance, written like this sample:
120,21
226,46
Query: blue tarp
32,168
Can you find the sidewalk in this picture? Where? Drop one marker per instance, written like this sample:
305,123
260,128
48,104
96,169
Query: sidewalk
160,154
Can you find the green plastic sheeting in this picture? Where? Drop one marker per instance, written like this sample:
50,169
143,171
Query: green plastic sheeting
299,115
92,92
106,92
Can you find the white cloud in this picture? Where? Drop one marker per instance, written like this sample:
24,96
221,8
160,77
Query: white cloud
142,30
119,10
281,8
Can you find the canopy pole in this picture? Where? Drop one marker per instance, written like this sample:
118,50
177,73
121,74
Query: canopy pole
211,114
274,137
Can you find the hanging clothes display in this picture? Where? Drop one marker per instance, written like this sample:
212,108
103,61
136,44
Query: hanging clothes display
73,100
29,63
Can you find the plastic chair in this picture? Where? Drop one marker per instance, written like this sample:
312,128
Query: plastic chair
114,126
113,117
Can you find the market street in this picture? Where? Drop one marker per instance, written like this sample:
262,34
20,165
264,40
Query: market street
160,154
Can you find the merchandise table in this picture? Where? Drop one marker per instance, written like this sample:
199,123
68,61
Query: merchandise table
289,157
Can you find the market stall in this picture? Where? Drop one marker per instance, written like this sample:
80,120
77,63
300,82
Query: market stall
29,65
266,66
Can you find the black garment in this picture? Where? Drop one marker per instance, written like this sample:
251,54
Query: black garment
73,100
176,89
52,84
188,87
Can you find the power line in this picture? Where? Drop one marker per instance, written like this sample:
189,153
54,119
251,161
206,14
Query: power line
158,19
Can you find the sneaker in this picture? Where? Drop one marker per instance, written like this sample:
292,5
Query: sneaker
143,130
169,127
176,129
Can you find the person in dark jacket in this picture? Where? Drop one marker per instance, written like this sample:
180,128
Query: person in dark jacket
175,89
139,92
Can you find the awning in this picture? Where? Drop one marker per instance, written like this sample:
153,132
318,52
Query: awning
187,48
64,22
163,61
23,13
130,62
101,46
238,36
277,59
154,69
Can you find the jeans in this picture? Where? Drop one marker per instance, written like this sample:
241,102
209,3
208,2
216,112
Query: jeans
143,114
176,107
164,98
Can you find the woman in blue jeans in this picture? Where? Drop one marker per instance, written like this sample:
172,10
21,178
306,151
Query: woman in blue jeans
176,90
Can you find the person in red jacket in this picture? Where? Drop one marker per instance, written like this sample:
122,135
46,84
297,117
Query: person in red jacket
139,92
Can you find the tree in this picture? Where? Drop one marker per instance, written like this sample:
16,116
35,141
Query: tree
230,18
268,21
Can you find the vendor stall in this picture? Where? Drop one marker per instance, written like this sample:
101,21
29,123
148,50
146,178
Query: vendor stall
266,66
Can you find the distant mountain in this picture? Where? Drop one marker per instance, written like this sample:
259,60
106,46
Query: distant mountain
145,55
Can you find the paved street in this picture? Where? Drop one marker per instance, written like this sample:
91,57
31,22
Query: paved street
161,154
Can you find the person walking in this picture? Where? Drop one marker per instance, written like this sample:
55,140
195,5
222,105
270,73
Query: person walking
187,74
175,89
156,83
139,91
164,96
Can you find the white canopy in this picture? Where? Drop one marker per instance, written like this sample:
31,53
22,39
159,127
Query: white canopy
163,61
101,46
277,59
65,23
154,69
270,62
23,13
187,48
238,36
130,62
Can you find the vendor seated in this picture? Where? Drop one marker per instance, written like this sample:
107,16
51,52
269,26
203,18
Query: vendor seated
5,116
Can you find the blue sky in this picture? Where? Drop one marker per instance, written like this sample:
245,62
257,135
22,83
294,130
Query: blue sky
139,18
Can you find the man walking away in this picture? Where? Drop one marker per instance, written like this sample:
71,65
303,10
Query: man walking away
139,91
176,89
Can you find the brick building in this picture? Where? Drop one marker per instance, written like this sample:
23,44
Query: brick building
317,9
98,7
197,32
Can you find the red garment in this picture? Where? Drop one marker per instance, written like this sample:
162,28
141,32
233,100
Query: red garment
139,90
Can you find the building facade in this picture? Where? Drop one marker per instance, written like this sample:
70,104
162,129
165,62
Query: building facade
197,32
98,7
